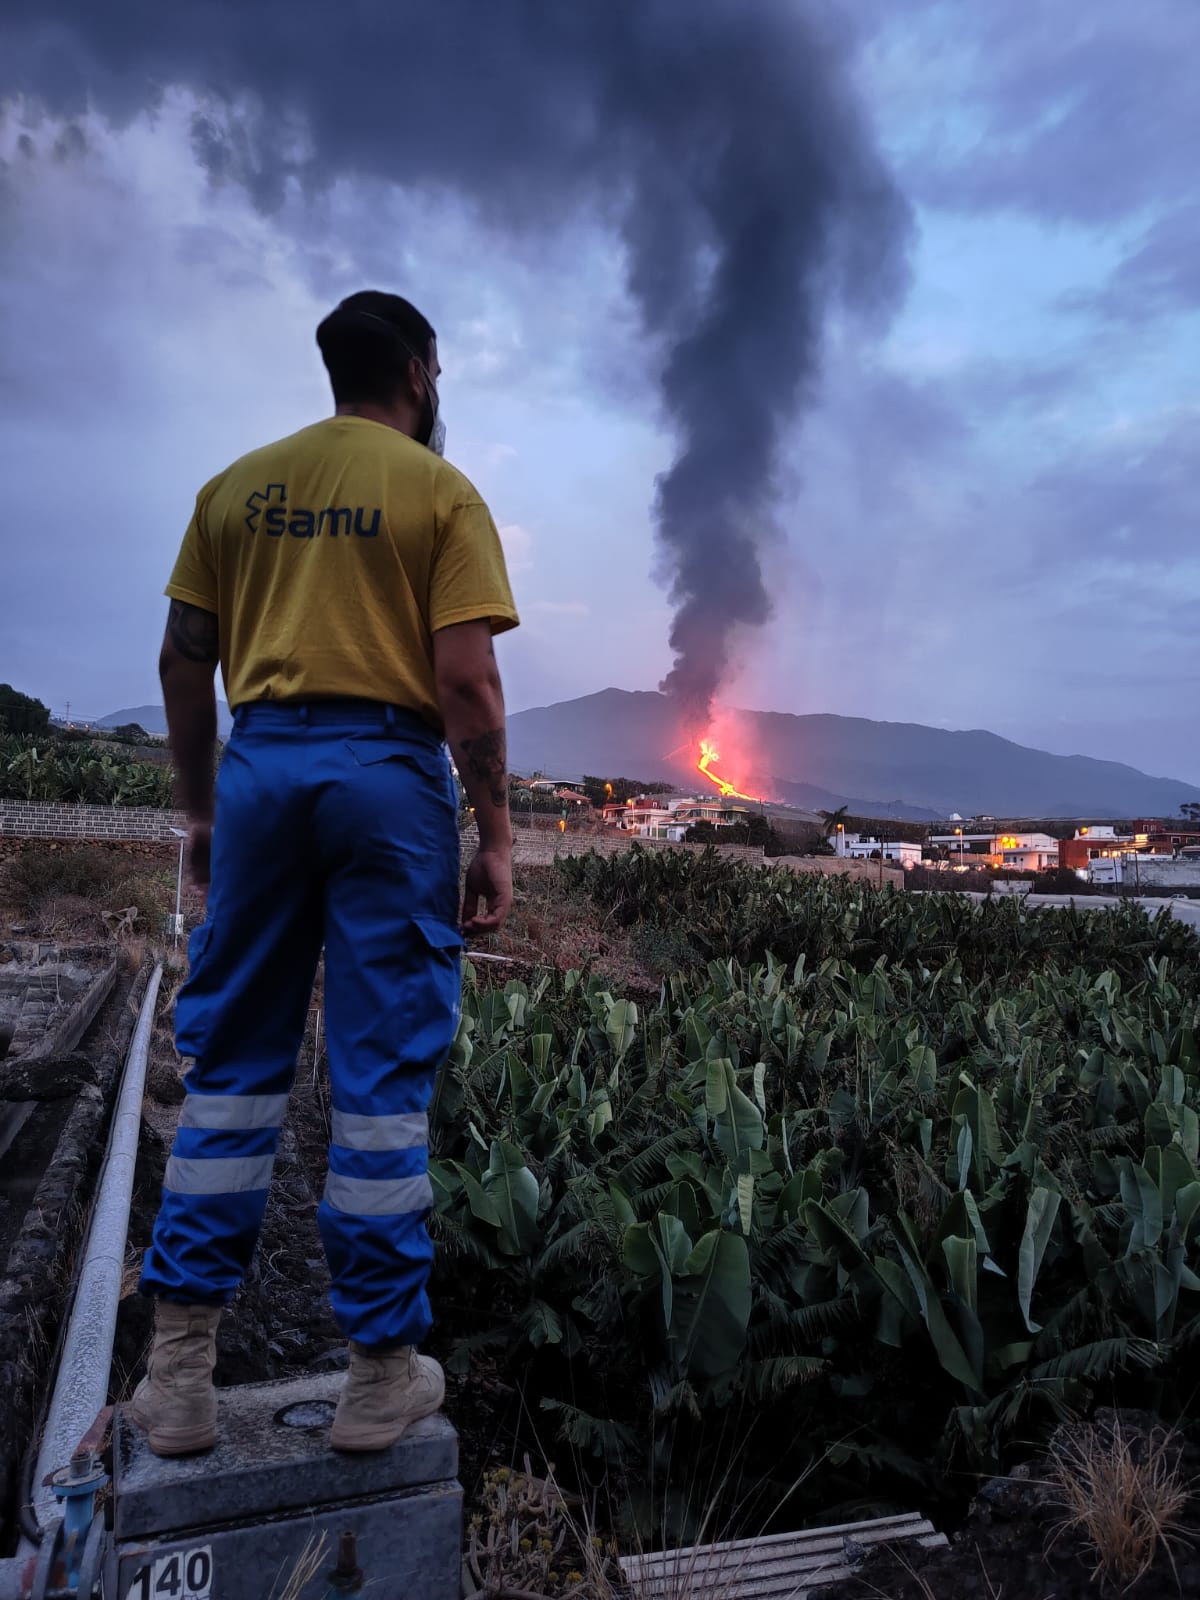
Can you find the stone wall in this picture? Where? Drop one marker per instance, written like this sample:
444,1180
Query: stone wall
26,820
842,866
134,851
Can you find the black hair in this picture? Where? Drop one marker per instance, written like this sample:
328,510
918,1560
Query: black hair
366,344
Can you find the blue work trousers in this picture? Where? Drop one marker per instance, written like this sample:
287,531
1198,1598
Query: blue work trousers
335,825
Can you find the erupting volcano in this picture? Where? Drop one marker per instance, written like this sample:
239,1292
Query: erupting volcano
708,754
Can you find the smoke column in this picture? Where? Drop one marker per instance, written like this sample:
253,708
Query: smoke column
721,138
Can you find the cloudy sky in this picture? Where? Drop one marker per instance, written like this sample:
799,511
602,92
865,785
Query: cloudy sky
965,456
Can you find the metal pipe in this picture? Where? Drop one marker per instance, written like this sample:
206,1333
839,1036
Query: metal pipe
81,1383
15,1577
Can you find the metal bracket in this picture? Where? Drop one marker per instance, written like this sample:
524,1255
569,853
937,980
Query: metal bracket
47,1559
90,1562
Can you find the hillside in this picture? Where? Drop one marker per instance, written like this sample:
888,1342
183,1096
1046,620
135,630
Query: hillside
820,762
154,719
823,761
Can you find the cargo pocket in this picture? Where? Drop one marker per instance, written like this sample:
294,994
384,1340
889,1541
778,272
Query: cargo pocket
430,764
198,942
445,943
440,935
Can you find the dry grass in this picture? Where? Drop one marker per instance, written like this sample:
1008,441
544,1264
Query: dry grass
123,1380
1124,1496
39,874
66,917
530,1540
64,890
552,926
308,1566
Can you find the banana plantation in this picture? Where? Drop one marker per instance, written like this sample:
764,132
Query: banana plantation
38,768
871,1193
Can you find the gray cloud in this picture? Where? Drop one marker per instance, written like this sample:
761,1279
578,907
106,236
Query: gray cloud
1066,111
1160,277
1129,496
726,148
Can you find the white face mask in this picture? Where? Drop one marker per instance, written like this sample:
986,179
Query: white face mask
437,428
437,434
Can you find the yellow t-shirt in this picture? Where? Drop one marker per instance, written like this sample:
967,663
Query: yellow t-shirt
332,557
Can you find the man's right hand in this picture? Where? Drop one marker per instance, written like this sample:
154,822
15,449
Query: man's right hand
472,703
200,855
489,879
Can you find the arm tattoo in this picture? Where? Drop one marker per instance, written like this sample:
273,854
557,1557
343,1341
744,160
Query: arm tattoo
193,632
487,761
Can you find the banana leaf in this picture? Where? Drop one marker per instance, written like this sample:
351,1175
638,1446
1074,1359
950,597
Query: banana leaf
711,1306
513,1190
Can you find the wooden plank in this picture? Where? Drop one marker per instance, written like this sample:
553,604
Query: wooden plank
780,1566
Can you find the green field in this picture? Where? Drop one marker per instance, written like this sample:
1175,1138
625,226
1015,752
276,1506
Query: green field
873,1191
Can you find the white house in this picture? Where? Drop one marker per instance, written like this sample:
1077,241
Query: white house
671,817
1020,852
1026,852
863,847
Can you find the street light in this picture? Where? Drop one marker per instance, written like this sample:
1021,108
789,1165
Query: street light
177,920
959,832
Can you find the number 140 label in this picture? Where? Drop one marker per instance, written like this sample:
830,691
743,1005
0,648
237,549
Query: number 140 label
184,1575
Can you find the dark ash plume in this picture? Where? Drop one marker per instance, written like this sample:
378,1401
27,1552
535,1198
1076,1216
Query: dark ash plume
723,139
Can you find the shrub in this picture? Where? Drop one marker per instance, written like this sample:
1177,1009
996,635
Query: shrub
152,897
21,713
38,874
663,950
68,916
1125,1495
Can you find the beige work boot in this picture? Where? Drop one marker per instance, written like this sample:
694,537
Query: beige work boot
383,1393
176,1402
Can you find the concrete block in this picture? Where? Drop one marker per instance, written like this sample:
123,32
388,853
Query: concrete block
272,1502
272,1455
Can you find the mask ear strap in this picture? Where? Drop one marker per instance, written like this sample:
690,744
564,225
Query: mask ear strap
430,402
430,405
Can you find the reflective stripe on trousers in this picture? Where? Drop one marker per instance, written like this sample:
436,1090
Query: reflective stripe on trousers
335,826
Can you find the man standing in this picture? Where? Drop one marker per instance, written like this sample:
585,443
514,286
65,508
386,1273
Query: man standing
348,581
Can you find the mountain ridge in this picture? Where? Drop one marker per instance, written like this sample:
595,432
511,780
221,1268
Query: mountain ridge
905,769
154,719
821,760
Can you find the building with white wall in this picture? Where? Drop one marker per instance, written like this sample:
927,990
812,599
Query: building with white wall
670,816
862,847
1019,852
1026,852
1144,871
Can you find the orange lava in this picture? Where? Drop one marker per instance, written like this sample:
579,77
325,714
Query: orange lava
708,754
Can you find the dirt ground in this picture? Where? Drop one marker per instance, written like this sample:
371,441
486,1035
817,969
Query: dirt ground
1015,1544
